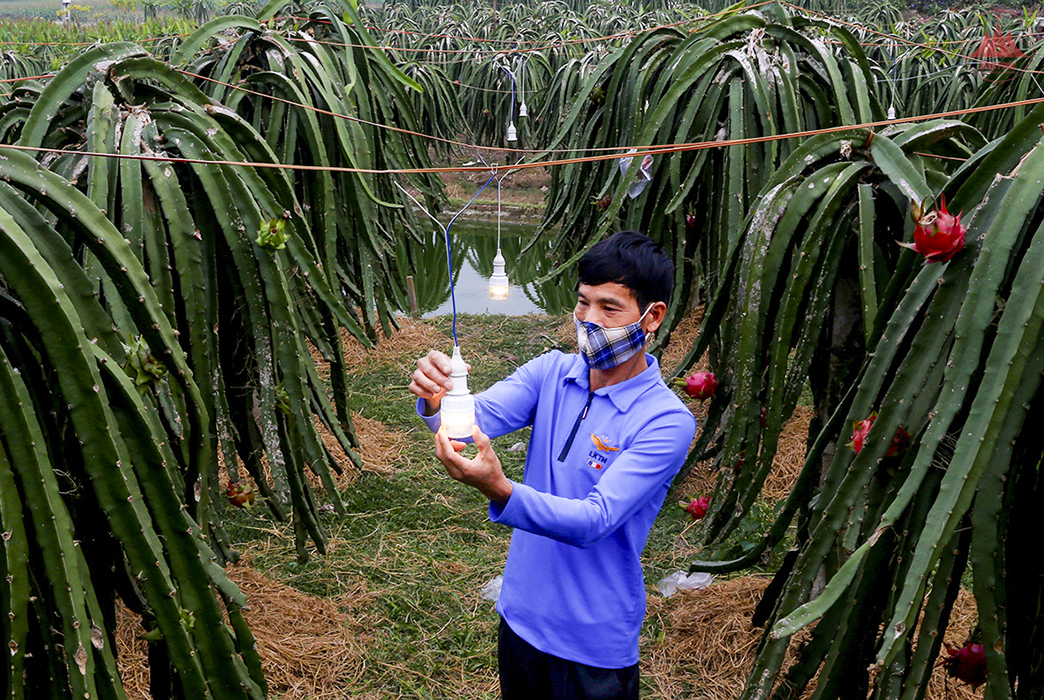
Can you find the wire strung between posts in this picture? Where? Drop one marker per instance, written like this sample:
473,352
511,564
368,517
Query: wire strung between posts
620,149
396,129
28,78
633,151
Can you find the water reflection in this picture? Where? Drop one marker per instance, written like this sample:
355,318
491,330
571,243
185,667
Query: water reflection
474,245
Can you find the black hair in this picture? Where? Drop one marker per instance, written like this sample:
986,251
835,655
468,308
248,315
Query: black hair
633,260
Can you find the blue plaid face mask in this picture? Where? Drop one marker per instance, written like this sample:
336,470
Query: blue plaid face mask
605,348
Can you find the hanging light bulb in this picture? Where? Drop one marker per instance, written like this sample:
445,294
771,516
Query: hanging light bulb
498,283
512,134
457,409
891,112
522,111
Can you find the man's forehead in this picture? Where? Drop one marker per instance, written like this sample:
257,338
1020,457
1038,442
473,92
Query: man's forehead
607,292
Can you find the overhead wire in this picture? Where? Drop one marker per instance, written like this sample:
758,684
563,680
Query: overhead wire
642,151
621,150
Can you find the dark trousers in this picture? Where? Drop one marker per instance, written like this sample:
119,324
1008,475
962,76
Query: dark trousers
529,674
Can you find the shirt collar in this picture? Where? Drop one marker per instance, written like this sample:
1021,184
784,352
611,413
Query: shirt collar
624,393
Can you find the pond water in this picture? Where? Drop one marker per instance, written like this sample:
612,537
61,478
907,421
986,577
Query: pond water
473,244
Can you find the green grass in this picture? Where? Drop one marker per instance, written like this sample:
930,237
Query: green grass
417,546
48,9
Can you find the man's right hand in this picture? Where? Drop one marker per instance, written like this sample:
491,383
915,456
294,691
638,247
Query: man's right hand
431,379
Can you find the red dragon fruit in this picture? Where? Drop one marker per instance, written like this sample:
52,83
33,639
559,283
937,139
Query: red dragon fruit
701,385
900,441
240,494
860,428
697,507
938,235
966,664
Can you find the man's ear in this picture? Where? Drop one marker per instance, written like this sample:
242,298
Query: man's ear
655,316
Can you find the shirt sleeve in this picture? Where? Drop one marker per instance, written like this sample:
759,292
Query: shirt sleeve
434,421
637,474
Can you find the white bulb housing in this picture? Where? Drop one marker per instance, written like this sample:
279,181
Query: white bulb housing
457,409
522,111
891,112
498,283
512,134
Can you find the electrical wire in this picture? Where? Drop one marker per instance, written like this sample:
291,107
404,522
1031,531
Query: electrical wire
449,256
529,151
628,151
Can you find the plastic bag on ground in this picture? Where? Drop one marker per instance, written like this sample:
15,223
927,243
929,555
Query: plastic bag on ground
681,581
491,591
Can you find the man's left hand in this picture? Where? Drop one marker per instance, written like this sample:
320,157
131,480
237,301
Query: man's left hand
483,471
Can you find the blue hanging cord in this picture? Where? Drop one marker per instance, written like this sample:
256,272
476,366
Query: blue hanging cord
449,256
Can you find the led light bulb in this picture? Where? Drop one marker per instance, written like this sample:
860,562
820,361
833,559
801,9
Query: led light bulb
457,409
512,134
498,283
522,111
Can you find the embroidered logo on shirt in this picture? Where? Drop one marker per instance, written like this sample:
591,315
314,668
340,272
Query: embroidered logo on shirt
600,444
593,462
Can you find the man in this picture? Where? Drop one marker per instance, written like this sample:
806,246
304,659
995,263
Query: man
608,436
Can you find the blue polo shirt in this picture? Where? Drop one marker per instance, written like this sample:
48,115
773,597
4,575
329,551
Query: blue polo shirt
573,584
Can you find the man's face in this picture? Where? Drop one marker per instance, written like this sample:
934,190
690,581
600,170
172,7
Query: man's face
610,305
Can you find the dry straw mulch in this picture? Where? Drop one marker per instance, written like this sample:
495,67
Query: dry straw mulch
789,460
413,337
380,447
790,453
309,648
708,646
